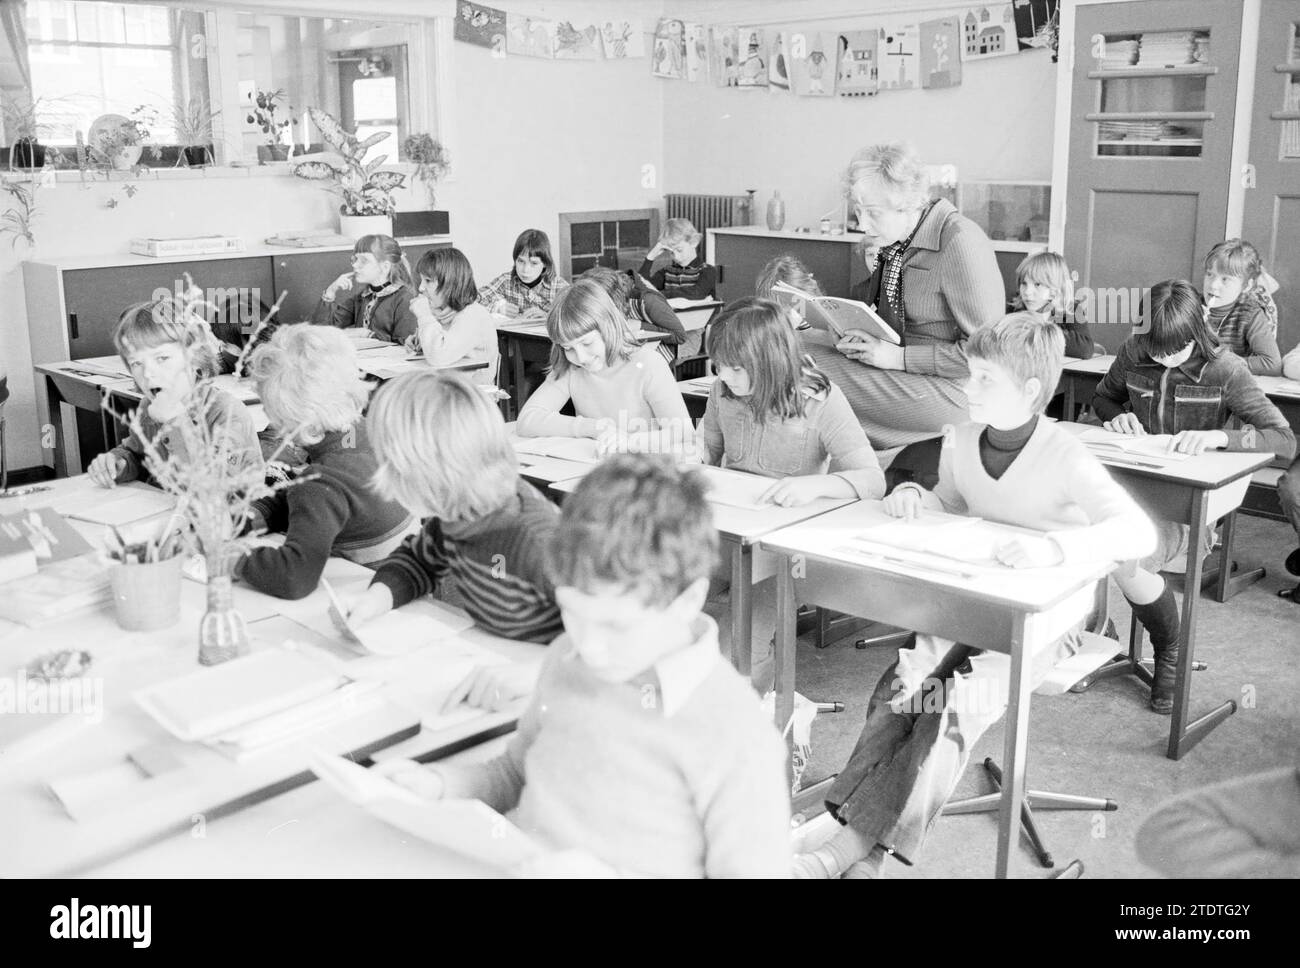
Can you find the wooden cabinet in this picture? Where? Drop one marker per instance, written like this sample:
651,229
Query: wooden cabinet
1155,142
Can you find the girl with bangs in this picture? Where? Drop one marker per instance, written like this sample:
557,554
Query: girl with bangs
530,288
1044,287
771,412
377,296
1175,378
623,392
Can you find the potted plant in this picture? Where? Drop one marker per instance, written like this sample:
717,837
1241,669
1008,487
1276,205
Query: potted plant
262,114
117,142
195,130
430,160
17,219
366,191
23,128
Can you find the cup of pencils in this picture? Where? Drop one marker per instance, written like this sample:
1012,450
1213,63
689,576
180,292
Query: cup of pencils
146,579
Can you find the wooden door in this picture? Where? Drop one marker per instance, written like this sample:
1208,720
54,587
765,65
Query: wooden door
1272,211
1150,149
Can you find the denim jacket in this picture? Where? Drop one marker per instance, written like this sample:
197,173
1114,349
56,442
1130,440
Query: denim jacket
1201,394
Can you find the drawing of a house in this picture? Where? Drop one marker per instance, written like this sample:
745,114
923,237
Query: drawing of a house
981,36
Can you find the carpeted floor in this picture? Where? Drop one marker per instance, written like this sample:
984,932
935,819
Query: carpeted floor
1105,742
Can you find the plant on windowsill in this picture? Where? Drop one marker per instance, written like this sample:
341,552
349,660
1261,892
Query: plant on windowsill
195,125
118,147
24,130
366,191
430,160
262,114
16,221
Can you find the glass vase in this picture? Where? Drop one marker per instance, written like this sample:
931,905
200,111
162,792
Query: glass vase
776,212
222,633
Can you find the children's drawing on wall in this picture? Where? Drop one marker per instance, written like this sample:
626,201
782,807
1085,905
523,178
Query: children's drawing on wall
1038,24
623,38
988,30
900,51
529,36
859,62
724,57
753,58
814,71
573,42
940,60
697,52
481,26
669,56
778,65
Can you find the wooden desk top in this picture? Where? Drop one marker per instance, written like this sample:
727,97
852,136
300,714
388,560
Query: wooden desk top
1206,472
699,387
1022,589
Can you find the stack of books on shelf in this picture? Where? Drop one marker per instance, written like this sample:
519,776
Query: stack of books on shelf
1167,49
1118,54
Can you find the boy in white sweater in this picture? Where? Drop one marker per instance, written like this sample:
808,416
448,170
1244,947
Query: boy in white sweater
642,750
1007,465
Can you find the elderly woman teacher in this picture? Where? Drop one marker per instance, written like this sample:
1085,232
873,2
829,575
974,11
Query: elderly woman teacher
936,279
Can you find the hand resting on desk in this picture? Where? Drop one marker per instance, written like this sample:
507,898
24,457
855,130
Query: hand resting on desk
1125,423
361,607
103,470
493,687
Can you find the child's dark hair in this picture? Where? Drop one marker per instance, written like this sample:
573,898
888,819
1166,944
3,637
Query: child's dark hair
637,522
385,249
1173,315
450,271
536,243
755,335
617,284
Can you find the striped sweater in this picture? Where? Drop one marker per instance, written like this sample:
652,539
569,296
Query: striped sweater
695,281
1247,328
497,565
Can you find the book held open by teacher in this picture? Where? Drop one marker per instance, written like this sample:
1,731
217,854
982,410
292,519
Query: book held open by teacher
838,315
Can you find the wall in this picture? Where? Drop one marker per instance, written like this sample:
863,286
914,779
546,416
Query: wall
528,139
996,125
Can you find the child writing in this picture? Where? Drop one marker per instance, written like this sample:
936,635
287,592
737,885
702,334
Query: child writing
459,327
1011,466
1044,287
643,305
772,413
376,295
789,270
307,379
530,287
675,267
1177,379
642,751
172,356
1242,312
443,453
623,393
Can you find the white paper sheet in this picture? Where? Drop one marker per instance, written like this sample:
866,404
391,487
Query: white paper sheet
582,449
401,630
736,489
1147,445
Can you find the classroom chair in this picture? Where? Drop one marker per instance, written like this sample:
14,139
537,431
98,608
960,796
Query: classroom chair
1039,799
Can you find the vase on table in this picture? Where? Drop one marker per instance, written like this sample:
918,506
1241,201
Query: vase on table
776,212
222,632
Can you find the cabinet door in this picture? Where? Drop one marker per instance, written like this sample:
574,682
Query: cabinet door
1272,210
1150,147
743,257
95,298
302,276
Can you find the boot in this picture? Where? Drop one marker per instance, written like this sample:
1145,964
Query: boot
1160,619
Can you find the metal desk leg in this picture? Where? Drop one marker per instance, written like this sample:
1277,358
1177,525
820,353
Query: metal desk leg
1182,735
786,614
1068,402
1226,584
1016,747
520,389
54,400
742,607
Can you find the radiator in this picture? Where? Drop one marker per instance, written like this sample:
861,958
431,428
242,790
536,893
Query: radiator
712,211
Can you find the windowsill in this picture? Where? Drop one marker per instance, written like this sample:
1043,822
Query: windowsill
274,169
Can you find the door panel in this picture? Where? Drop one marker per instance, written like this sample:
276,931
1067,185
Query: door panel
1272,210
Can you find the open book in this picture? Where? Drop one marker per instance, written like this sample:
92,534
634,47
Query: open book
582,449
839,315
1148,445
735,488
951,536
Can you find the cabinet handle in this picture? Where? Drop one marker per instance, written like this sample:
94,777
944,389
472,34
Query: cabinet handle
72,326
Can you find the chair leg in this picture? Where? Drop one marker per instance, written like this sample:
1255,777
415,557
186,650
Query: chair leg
1070,872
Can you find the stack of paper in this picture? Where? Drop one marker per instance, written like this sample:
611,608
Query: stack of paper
1166,49
56,591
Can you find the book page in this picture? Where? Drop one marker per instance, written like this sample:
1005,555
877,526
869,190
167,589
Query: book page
1145,445
400,630
581,449
114,505
846,314
737,489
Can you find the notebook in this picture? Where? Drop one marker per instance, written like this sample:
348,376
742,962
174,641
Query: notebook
736,489
117,506
56,591
959,538
400,630
581,449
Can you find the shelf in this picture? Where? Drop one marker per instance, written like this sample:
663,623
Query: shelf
1150,116
1287,68
1183,70
1284,116
1159,142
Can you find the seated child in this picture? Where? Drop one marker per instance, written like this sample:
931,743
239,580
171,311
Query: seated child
1243,828
774,414
443,453
675,267
643,305
172,356
1242,312
642,751
1044,286
307,379
792,272
530,287
623,392
376,295
1177,379
1007,465
459,327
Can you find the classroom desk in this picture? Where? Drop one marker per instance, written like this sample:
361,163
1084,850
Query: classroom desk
696,394
1195,492
522,341
208,786
1014,611
740,530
